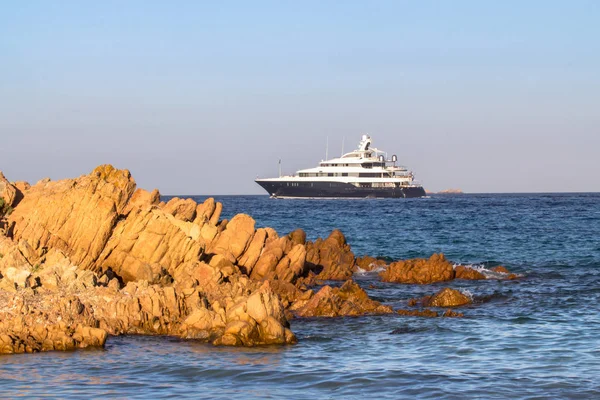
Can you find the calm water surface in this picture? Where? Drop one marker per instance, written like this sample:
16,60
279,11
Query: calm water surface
537,337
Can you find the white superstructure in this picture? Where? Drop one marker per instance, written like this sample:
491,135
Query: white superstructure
364,165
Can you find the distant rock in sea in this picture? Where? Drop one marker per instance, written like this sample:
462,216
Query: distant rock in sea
450,191
447,191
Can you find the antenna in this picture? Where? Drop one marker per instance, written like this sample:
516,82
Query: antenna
280,167
343,139
327,149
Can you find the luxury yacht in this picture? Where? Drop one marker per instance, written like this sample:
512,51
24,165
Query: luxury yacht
364,172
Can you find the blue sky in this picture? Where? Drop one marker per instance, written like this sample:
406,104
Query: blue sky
202,97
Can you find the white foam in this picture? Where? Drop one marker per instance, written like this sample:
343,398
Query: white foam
467,293
375,269
489,274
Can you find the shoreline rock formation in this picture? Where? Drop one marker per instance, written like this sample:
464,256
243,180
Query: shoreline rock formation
84,258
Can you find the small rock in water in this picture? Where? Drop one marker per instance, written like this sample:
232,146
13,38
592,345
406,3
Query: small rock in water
453,314
463,272
419,270
448,298
418,313
502,270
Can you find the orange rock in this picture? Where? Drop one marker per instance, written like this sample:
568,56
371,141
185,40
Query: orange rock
75,216
292,265
418,313
22,186
205,211
182,209
11,255
503,270
413,302
418,270
298,236
369,263
142,199
148,237
332,258
258,319
463,272
8,193
280,259
453,314
350,299
448,298
248,260
235,238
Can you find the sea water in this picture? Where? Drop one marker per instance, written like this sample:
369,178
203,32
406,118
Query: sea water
535,337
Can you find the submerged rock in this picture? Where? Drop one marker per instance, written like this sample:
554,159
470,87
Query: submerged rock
502,270
427,313
452,314
419,270
418,313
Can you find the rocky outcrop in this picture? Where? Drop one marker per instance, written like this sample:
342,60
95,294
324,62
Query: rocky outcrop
142,199
8,194
419,270
348,300
332,258
446,297
467,273
281,259
134,265
147,242
79,308
368,263
74,215
93,256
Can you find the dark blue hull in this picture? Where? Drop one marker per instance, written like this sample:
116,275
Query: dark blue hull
337,189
